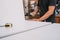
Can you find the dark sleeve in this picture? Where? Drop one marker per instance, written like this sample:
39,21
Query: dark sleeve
52,2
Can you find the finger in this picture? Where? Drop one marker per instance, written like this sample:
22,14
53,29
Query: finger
35,19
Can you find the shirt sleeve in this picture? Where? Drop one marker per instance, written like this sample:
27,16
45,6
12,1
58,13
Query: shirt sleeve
52,2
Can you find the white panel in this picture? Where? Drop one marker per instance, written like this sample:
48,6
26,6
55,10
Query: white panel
29,25
50,32
11,11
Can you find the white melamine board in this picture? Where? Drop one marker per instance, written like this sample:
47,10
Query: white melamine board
50,32
11,11
29,25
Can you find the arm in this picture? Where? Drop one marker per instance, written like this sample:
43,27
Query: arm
36,8
35,11
48,13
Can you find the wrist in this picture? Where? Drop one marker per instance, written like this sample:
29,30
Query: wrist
40,19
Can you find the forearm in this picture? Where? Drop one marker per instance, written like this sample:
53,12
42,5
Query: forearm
48,13
36,9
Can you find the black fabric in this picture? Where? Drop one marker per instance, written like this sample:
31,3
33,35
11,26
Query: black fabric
43,6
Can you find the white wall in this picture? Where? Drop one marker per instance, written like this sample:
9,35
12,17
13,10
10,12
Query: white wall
11,11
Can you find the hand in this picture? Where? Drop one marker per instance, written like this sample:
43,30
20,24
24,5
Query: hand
33,13
37,20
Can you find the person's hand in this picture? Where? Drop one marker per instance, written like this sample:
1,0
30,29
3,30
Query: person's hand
33,13
37,20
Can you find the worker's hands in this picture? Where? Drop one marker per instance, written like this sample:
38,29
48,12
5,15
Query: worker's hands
33,14
37,20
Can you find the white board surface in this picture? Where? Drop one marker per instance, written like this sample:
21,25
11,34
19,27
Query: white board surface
50,32
11,11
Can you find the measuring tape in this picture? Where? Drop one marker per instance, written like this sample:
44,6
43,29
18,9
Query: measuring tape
7,25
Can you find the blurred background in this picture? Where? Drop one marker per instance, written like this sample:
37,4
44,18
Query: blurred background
29,6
